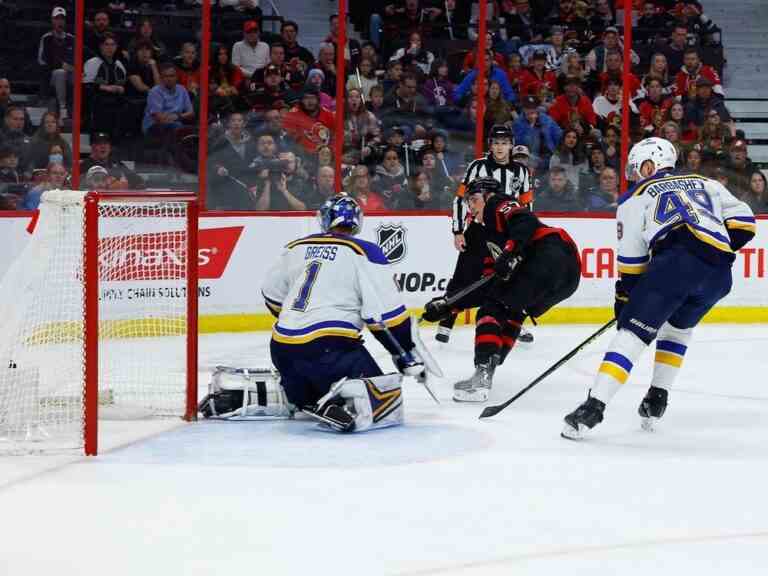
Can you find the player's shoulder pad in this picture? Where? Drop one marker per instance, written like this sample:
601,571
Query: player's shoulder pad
359,246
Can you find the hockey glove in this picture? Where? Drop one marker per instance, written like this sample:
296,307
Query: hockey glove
622,297
411,364
507,261
436,309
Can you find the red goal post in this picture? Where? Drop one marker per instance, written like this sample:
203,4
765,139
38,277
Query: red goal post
93,200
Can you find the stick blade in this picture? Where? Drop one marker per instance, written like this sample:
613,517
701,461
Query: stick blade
489,411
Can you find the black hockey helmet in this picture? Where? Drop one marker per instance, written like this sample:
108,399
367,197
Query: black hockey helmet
500,131
484,186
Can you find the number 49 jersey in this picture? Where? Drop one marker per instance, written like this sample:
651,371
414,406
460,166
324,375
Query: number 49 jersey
704,214
329,285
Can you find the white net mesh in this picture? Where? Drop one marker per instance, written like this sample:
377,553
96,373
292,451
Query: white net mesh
142,321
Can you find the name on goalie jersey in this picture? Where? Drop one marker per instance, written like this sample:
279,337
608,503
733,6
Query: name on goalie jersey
321,252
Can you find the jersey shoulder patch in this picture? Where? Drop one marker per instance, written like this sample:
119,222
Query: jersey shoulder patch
361,247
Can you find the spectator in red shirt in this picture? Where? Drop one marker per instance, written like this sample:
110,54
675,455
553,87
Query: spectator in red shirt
692,70
608,104
515,71
614,68
537,78
469,59
573,109
308,124
654,108
360,189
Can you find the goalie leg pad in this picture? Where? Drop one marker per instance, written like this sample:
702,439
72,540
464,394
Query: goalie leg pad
245,394
374,402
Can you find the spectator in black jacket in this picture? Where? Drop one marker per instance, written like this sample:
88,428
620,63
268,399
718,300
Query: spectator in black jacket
56,56
6,100
12,135
558,195
289,31
101,155
105,79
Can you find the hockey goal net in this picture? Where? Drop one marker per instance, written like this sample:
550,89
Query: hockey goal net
99,317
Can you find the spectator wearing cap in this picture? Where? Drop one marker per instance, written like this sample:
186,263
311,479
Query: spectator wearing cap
537,81
104,78
573,109
705,100
12,133
250,53
570,156
270,94
522,155
56,176
145,32
316,80
739,168
492,72
559,194
56,56
692,70
101,155
289,33
596,61
308,124
97,178
48,135
536,130
6,100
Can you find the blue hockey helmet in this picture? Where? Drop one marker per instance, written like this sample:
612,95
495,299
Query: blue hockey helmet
341,211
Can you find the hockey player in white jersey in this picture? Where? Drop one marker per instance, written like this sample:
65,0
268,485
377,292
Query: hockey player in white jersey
324,289
678,235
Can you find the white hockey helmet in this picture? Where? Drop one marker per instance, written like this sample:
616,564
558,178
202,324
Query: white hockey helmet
660,151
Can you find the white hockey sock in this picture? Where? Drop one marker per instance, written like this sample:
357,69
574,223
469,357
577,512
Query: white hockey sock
671,346
617,364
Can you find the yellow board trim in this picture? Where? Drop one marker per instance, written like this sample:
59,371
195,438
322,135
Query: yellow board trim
614,371
669,359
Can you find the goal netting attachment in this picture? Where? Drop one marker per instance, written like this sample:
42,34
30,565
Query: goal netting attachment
98,318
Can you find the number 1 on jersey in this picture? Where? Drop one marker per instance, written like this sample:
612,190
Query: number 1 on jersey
313,268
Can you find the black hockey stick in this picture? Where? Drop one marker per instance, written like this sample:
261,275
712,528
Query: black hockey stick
493,410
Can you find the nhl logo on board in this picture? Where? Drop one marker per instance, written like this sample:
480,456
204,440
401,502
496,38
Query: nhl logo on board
391,240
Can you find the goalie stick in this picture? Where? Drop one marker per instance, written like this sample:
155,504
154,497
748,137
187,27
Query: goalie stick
493,410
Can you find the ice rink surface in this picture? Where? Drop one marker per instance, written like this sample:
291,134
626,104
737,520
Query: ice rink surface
444,495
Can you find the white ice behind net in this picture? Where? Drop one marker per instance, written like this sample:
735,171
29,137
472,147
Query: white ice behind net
142,328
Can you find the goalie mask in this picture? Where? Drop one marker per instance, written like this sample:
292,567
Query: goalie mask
245,394
340,211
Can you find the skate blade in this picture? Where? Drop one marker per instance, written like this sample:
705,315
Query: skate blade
648,423
480,395
571,433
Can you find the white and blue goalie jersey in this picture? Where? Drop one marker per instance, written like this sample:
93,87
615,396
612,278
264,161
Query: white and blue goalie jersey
330,286
696,210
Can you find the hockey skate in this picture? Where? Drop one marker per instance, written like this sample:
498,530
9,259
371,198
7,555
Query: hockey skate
586,416
477,387
652,407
